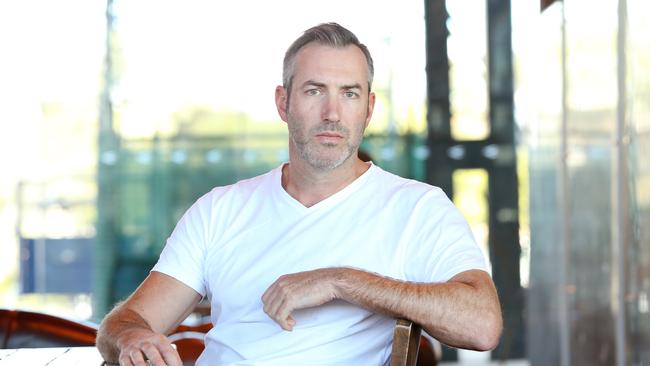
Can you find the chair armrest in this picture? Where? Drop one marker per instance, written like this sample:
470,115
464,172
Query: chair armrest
406,342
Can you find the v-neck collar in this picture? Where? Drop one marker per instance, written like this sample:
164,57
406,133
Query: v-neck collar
285,197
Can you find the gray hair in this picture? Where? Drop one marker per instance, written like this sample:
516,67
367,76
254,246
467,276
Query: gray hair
329,34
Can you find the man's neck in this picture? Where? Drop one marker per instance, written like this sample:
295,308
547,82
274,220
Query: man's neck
310,186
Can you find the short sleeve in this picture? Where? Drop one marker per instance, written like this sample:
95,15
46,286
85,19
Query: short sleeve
444,245
183,256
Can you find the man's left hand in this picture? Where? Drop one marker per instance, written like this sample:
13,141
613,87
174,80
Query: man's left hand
299,291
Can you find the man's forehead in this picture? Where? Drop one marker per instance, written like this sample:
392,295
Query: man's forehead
315,48
326,64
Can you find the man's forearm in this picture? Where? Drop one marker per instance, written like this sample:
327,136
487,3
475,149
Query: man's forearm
464,312
118,321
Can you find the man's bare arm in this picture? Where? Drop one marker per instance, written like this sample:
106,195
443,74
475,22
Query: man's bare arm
135,329
463,312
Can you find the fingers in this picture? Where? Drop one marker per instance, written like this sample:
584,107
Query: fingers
137,358
125,360
152,353
283,315
273,298
291,322
277,305
158,352
171,356
297,291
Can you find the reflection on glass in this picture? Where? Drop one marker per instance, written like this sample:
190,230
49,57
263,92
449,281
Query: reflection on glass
215,70
50,78
467,49
599,210
470,196
638,255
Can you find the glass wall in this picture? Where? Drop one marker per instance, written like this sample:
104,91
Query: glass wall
50,78
589,284
637,186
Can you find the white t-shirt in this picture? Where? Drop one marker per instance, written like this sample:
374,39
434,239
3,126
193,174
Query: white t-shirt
235,241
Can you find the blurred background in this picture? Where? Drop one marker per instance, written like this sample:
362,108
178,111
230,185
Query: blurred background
534,117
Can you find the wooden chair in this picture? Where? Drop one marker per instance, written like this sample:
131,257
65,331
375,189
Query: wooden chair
429,355
189,345
410,348
406,343
203,326
26,329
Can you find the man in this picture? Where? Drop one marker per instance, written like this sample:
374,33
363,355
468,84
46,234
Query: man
312,262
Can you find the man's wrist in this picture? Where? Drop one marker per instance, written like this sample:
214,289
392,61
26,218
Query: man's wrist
345,282
126,336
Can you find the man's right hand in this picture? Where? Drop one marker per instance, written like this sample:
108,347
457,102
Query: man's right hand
134,330
138,345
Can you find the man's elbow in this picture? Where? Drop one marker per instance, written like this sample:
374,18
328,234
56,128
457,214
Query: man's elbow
106,347
488,338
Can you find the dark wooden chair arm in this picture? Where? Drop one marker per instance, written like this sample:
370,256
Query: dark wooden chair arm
26,329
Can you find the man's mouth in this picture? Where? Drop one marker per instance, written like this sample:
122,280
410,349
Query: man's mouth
329,135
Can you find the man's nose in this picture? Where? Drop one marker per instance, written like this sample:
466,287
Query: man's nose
331,109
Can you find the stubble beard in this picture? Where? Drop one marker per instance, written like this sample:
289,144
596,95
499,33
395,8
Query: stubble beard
325,156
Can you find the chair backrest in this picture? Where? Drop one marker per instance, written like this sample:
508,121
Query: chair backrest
189,345
406,343
26,329
5,321
202,326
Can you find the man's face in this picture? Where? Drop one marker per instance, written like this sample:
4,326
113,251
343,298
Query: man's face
329,107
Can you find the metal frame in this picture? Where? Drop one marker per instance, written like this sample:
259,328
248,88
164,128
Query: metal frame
496,154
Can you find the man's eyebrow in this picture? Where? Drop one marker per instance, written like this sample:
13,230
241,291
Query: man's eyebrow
313,83
352,86
319,84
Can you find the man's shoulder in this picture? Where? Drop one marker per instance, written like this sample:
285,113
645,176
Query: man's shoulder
240,190
248,184
265,180
398,184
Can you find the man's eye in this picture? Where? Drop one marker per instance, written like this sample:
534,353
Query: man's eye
313,92
350,94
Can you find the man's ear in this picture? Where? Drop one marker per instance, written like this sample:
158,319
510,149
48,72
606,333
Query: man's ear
281,98
371,107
